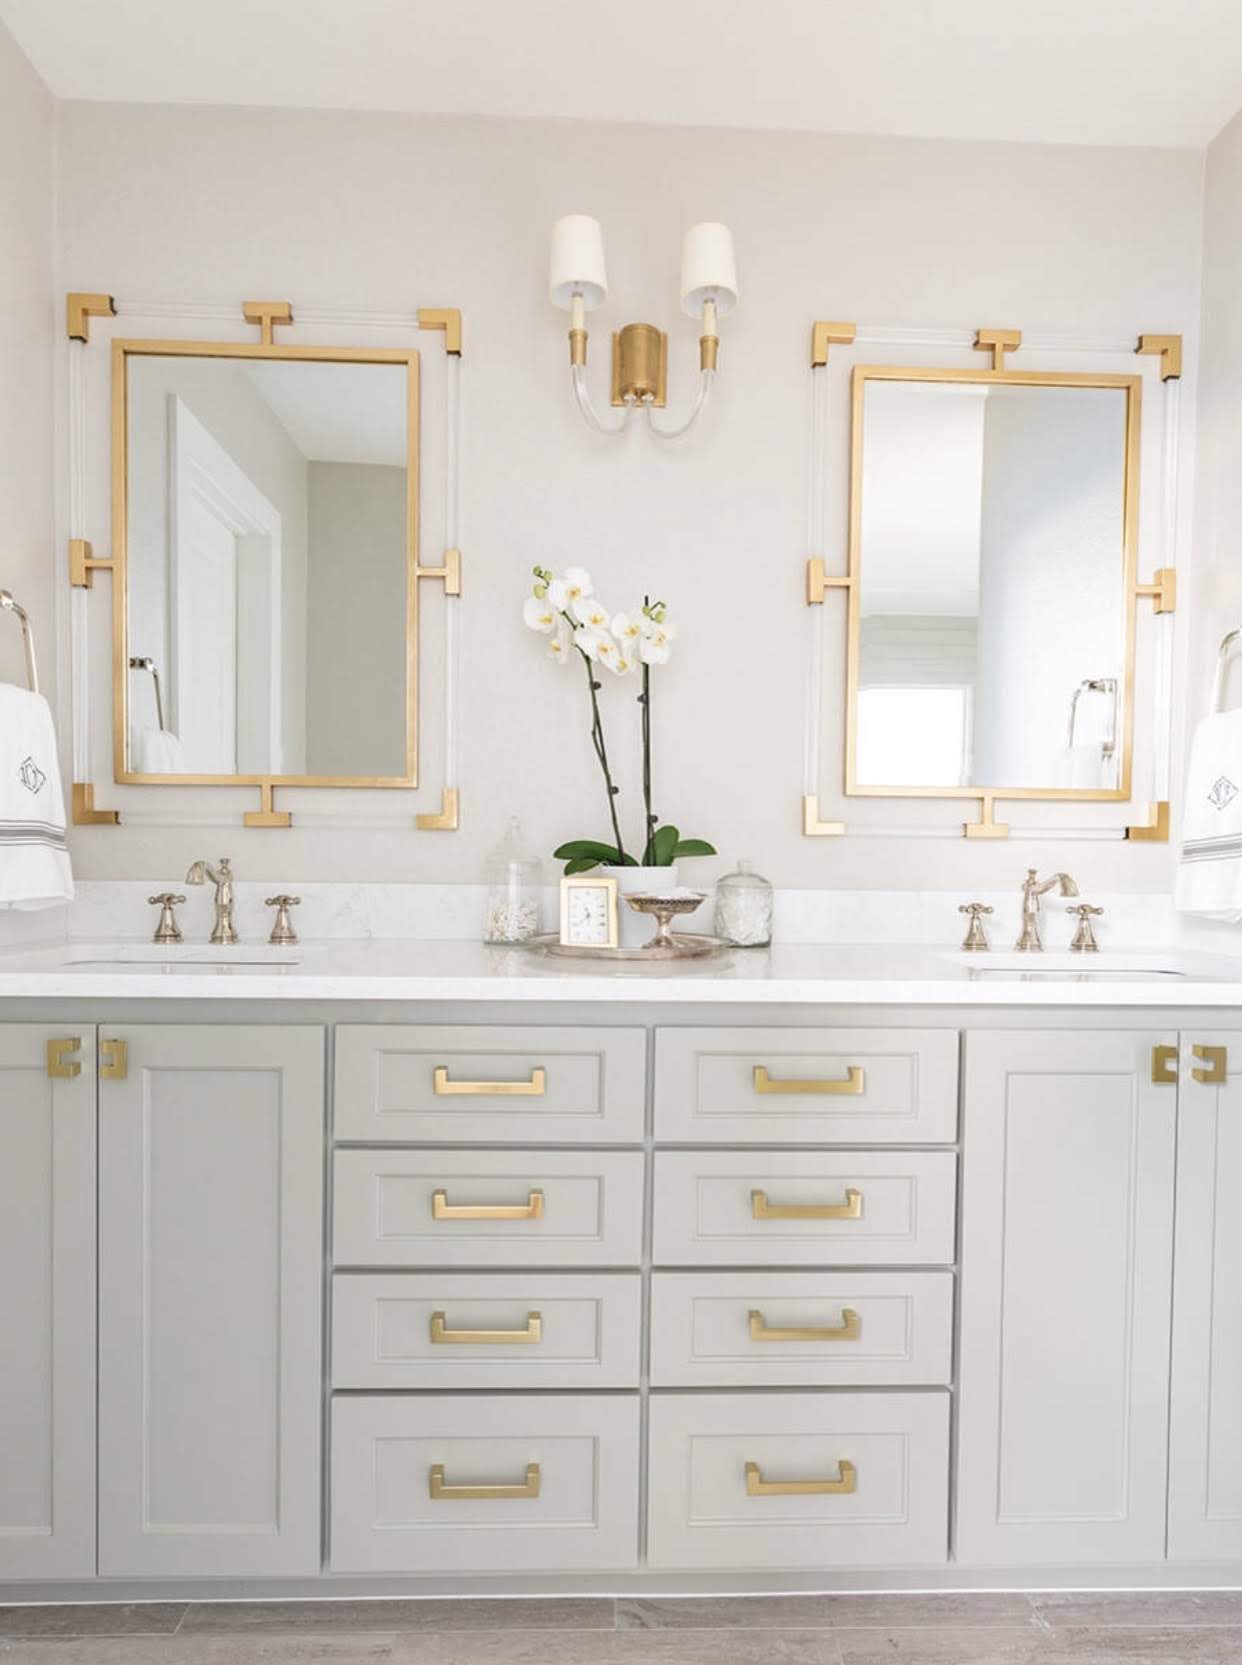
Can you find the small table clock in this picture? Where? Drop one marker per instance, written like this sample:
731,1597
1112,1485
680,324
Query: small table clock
589,911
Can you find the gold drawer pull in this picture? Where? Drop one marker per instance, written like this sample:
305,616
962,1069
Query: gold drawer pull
850,1209
443,1209
757,1486
534,1088
115,1056
849,1329
855,1082
1164,1066
61,1064
441,1335
1217,1060
440,1493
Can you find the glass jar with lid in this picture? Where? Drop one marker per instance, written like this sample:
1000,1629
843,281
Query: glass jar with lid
514,893
744,908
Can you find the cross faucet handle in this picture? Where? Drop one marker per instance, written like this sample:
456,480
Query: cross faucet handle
1084,937
282,929
167,930
976,938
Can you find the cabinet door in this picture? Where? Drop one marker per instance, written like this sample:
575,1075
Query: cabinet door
210,1302
1205,1468
47,1305
1067,1246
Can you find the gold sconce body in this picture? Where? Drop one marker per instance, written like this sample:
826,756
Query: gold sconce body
640,366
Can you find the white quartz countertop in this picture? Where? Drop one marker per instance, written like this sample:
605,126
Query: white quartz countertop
808,974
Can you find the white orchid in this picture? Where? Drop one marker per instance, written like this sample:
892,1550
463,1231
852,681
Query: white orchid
576,585
656,643
593,644
558,648
620,662
590,612
628,628
539,614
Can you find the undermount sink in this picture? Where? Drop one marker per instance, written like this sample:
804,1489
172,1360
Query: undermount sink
183,956
1101,966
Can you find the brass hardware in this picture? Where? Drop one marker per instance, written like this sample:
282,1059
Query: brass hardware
450,572
976,938
855,1082
998,343
115,1056
757,1486
442,1336
167,930
1156,829
267,815
1162,590
445,818
441,1493
267,314
640,366
825,335
1084,937
577,347
1030,940
850,1209
1164,1066
1169,349
446,318
84,812
443,1209
534,1088
223,934
83,564
818,582
709,352
987,826
283,932
1217,1060
61,1063
849,1329
9,605
813,827
80,309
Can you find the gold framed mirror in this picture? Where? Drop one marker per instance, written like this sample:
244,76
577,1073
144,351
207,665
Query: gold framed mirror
265,556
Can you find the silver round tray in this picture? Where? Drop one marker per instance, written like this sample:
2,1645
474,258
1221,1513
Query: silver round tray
690,946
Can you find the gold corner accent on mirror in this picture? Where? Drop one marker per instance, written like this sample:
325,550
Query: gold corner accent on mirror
446,318
267,314
83,564
987,826
84,812
1168,348
81,308
813,827
1162,590
267,815
998,343
825,334
450,572
819,582
1155,830
445,819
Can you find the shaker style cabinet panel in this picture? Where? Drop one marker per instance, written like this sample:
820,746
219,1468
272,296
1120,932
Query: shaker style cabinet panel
1067,1247
47,1301
211,1161
426,1084
775,1086
1205,1464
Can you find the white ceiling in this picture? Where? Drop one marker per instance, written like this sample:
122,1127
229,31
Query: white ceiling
1163,72
349,413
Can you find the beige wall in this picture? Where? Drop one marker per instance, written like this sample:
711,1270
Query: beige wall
388,212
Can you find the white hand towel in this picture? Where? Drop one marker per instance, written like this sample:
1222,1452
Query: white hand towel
1081,766
1209,877
158,751
34,860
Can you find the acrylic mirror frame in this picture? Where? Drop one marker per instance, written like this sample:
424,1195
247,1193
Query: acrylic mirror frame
122,353
1132,386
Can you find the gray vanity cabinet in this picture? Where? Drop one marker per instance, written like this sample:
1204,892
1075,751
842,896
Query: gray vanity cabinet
211,1160
47,1301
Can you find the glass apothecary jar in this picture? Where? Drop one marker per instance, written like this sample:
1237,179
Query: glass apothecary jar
514,891
744,908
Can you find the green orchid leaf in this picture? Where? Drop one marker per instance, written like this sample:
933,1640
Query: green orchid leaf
694,847
663,845
581,864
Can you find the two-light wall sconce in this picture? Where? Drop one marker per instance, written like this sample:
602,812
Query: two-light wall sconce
579,283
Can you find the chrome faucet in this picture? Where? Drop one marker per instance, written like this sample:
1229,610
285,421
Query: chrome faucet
222,877
1032,889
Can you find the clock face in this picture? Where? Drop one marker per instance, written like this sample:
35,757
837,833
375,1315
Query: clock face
588,910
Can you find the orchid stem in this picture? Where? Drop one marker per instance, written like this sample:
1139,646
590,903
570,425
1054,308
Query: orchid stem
601,752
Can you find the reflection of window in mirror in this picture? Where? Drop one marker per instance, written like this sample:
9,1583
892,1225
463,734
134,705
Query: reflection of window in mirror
992,605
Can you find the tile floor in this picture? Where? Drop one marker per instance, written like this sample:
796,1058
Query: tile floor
998,1629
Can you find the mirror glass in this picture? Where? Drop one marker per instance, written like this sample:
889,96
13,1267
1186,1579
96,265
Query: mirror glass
992,604
268,557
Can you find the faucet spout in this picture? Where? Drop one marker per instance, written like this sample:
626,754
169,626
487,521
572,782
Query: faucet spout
202,872
1031,941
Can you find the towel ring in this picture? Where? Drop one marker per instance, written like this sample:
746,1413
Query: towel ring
1227,643
146,663
1096,685
8,605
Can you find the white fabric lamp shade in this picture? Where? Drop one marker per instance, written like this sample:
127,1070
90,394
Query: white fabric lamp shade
577,265
708,272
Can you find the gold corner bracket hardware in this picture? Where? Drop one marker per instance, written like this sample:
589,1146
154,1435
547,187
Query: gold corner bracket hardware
450,572
84,564
62,1061
84,812
440,1491
446,318
444,819
987,826
115,1060
813,827
1164,1066
443,1209
1162,590
1156,828
1217,1060
442,1336
1168,348
819,581
267,314
640,366
267,815
850,1209
855,1082
998,343
846,1482
534,1088
849,1329
825,335
81,308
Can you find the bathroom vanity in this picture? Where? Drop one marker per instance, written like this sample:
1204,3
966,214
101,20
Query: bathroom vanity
428,1267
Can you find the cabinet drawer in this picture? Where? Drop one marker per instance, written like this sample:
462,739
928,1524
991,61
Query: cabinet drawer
521,1085
487,1208
806,1086
411,1478
801,1329
405,1330
742,1480
796,1208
